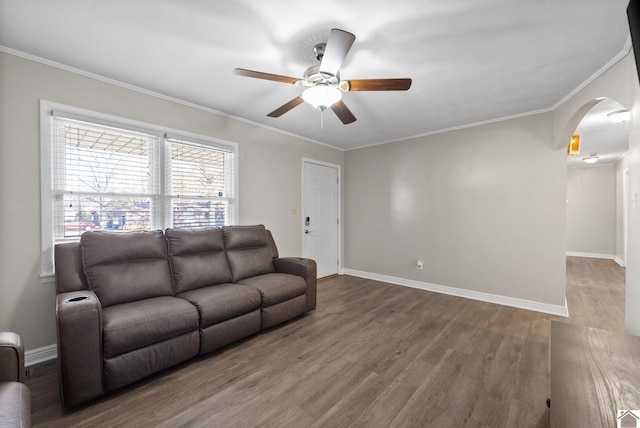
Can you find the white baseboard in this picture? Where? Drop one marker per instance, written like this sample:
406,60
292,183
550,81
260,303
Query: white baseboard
50,352
590,255
40,355
468,294
597,256
619,261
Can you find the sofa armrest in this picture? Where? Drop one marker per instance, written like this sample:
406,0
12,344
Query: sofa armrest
79,322
306,268
11,357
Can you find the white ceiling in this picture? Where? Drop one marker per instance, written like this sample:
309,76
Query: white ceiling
601,136
471,61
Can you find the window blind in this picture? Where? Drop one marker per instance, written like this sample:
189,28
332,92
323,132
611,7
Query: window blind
199,182
103,178
102,172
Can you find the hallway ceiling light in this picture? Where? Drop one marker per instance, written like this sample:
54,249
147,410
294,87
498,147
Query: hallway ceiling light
591,159
619,115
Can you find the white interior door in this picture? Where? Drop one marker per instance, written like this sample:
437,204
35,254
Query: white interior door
320,216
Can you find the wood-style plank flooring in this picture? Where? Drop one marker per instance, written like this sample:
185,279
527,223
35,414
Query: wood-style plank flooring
371,355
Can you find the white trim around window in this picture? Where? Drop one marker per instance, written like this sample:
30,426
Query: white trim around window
128,175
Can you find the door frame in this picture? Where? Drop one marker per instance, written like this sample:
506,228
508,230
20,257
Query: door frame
339,206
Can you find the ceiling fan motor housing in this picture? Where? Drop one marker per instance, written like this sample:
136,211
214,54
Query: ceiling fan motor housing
313,76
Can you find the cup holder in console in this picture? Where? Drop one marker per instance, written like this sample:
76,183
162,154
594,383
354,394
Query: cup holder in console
76,299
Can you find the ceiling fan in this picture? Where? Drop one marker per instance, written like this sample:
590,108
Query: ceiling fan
322,82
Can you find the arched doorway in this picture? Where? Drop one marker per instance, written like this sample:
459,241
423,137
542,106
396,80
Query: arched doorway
597,199
596,192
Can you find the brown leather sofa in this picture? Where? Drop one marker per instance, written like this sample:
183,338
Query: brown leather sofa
131,304
15,397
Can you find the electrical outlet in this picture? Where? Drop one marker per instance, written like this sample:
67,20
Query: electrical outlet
420,265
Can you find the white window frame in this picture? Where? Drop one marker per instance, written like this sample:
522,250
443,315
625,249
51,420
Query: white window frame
47,109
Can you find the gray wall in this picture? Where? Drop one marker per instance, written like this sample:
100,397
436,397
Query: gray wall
484,208
270,176
591,210
394,219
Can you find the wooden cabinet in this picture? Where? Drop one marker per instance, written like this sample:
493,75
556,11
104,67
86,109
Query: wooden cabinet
594,373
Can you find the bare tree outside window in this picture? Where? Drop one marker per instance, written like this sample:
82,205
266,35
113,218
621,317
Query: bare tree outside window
105,185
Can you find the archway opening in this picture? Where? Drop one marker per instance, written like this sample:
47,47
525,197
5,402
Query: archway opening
597,199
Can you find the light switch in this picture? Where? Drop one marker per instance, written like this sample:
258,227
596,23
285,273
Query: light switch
294,210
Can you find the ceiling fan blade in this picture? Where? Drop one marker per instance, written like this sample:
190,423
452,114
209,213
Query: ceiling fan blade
286,107
265,76
343,112
376,85
336,50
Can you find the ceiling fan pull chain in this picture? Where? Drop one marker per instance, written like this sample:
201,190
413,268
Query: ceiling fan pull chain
321,118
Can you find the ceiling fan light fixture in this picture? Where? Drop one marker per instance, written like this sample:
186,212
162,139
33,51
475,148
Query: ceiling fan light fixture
322,96
591,159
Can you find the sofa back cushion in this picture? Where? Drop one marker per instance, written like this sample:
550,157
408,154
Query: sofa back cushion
272,245
125,267
197,258
248,251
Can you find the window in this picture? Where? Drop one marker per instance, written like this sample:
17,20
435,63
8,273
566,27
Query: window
199,184
103,179
117,175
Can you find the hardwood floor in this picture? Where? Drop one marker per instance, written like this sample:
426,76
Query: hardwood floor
371,355
595,293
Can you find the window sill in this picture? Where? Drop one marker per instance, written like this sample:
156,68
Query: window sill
47,278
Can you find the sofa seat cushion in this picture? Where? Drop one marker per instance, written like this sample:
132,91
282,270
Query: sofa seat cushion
135,325
222,302
132,366
15,405
276,287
